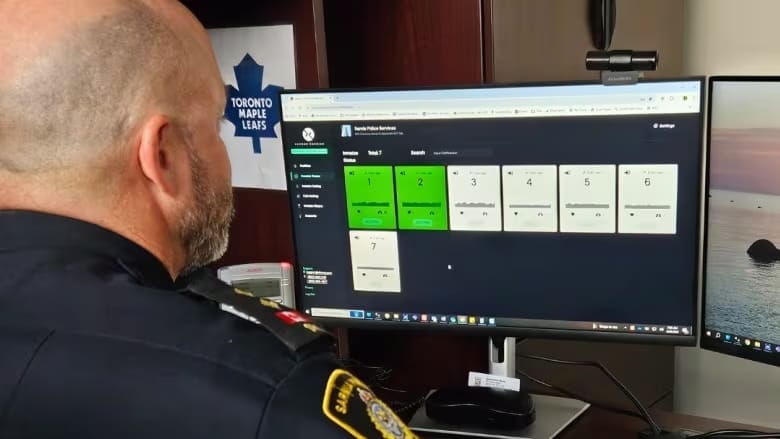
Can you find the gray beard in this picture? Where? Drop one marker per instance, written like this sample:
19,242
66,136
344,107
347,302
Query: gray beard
204,229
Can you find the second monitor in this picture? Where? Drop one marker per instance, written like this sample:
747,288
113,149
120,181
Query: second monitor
569,210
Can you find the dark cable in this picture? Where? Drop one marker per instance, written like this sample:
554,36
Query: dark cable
737,434
659,399
645,414
378,375
389,389
721,434
400,408
571,394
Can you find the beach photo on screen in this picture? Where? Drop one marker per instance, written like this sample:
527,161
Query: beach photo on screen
743,262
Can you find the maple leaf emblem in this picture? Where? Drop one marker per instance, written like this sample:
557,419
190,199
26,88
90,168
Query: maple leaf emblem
252,109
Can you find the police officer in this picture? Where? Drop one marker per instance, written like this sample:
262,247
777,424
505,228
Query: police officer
114,189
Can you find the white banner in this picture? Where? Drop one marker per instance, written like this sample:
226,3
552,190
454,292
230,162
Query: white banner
255,63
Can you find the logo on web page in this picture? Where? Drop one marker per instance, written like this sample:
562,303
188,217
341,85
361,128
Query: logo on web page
308,134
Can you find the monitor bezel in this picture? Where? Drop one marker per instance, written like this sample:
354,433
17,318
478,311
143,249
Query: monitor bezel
503,331
712,344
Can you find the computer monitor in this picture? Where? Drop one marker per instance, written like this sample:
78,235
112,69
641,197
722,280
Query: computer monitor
555,210
741,300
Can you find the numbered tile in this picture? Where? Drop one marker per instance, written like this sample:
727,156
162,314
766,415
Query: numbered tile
370,197
530,198
474,197
647,199
421,195
587,200
375,261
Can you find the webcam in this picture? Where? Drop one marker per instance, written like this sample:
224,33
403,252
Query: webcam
616,66
620,67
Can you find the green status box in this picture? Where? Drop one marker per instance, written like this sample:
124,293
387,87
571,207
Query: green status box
370,197
422,197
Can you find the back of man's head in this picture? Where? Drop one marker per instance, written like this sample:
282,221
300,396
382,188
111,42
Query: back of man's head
114,102
65,103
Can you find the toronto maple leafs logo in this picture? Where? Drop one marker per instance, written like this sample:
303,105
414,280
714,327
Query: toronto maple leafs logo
252,109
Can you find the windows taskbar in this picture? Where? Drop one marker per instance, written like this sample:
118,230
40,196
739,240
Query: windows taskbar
745,342
489,321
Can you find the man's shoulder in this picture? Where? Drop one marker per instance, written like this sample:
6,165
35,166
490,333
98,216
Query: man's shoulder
267,380
101,301
292,328
259,337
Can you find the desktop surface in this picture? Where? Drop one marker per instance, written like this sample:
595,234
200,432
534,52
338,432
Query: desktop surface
538,210
597,423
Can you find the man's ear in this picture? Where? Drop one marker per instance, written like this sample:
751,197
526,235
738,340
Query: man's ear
155,154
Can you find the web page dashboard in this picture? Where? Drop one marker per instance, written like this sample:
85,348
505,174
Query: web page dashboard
562,207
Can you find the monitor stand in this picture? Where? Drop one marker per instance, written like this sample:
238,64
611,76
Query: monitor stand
552,414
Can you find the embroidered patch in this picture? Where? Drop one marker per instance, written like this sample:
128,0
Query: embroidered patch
292,317
270,303
353,406
241,292
313,328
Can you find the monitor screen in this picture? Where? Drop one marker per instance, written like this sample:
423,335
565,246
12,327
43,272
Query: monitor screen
565,210
741,303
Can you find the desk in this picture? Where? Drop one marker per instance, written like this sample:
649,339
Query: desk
597,423
601,424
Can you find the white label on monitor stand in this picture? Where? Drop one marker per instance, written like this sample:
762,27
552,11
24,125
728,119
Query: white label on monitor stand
477,379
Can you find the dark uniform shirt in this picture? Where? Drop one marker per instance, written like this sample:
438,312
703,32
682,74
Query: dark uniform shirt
96,341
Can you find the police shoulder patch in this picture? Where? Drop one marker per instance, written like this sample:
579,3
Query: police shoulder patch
352,405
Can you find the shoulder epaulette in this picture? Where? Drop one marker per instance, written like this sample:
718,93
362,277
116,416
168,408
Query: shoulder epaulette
291,327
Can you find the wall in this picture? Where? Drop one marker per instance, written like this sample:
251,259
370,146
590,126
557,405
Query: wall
729,37
385,43
546,40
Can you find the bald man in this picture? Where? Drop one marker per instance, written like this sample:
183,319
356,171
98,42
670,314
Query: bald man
114,190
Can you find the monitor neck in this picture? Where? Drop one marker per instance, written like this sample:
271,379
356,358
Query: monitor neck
502,360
